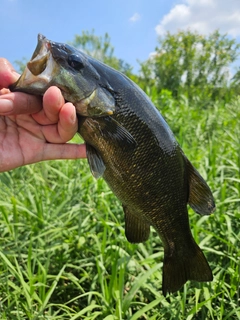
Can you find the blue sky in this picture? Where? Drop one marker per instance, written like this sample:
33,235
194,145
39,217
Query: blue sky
133,25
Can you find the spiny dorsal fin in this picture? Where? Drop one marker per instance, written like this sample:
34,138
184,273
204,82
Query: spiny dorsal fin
200,196
136,229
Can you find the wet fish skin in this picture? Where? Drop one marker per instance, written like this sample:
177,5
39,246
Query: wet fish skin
131,146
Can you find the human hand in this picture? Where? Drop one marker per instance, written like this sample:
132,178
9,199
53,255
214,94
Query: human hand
34,128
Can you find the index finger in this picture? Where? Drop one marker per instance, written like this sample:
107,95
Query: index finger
14,103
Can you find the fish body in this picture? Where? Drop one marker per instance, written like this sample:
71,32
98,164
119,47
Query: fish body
132,147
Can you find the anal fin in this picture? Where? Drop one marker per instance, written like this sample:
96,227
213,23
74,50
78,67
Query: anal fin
136,229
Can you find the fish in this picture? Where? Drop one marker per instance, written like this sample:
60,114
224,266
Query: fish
130,145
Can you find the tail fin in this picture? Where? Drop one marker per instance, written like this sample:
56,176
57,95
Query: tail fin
178,269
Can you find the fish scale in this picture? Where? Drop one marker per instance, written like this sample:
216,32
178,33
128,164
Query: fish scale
132,147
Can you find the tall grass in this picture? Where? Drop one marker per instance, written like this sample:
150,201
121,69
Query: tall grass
64,254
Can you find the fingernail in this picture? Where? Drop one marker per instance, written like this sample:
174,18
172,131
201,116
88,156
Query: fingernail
6,106
73,116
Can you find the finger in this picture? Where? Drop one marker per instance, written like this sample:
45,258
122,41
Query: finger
65,129
19,103
68,122
7,73
52,104
63,151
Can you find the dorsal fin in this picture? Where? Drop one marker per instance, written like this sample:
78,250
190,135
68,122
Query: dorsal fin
200,196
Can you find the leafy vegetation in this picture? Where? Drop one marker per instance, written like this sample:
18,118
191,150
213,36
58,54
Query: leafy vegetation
195,65
64,254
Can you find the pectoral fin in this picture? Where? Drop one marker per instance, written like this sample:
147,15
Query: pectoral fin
115,133
136,229
200,196
95,161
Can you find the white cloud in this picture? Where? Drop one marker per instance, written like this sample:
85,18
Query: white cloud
204,16
135,17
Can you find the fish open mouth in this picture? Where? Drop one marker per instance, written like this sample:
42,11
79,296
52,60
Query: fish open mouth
39,70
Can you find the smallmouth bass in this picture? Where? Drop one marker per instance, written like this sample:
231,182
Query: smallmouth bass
132,147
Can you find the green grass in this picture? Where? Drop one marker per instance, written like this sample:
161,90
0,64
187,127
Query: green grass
64,254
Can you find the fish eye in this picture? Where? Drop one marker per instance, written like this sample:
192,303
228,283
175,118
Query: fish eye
76,61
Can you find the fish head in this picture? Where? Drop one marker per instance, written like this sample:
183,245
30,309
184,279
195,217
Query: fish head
71,70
